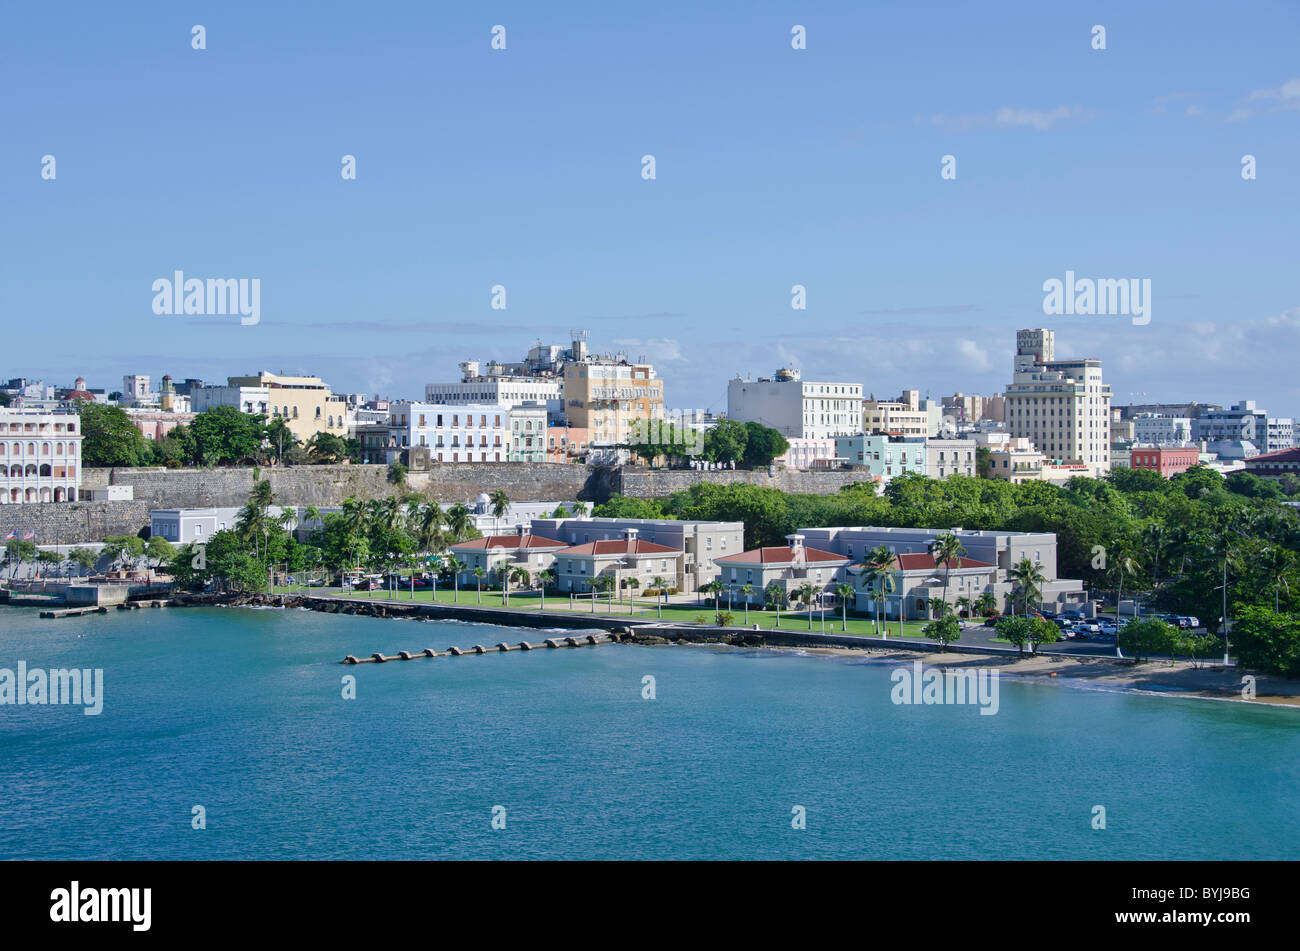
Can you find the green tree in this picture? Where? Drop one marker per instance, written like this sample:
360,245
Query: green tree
1142,637
159,549
84,558
1014,630
946,630
110,438
225,436
725,442
762,445
1268,641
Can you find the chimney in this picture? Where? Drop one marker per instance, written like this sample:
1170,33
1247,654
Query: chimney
796,546
630,535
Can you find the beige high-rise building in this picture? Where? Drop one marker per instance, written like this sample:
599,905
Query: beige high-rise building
1061,406
606,396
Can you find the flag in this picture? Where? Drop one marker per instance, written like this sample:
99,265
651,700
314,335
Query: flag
28,536
12,536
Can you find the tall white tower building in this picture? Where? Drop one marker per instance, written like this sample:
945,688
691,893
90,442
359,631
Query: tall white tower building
1062,406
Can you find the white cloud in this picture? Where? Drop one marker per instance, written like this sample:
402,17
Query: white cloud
1009,117
1288,91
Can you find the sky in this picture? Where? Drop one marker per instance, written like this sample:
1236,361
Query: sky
774,167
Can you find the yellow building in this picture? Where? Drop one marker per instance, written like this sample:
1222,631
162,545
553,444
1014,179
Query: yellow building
305,403
607,397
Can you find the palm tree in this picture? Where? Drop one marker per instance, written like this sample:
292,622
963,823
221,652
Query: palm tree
579,509
845,591
987,601
602,583
544,577
428,528
478,578
520,576
807,594
1281,563
748,592
499,503
455,566
879,568
938,606
1026,578
458,521
1123,563
776,597
660,584
967,605
946,548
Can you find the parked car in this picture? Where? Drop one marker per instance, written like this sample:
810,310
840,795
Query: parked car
992,621
1107,627
1062,622
315,582
1089,627
1193,620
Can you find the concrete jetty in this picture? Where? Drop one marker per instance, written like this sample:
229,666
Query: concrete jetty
74,612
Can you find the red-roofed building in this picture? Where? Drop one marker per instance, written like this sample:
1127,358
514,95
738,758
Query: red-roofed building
623,558
499,554
790,566
1274,465
1167,460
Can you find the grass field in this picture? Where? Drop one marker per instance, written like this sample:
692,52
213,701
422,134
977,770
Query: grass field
643,608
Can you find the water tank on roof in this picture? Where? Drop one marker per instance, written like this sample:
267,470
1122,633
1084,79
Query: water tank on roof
482,503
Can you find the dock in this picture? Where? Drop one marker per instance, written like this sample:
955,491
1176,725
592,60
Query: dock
74,612
553,643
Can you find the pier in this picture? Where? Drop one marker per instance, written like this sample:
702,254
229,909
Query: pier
553,643
74,612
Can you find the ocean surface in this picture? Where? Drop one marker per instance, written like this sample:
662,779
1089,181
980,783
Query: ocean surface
241,711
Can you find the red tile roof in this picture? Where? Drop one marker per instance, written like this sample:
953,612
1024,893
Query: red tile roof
619,546
508,541
778,555
1280,455
920,561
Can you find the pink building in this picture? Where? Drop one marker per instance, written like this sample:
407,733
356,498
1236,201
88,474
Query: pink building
155,424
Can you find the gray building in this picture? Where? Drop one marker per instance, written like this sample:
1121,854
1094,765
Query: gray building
700,542
989,556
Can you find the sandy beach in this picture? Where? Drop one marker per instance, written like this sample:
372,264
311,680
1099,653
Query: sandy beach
1208,681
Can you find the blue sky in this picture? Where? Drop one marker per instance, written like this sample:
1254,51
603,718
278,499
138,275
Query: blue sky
775,167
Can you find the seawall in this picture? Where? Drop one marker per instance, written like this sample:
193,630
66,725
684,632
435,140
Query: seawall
159,488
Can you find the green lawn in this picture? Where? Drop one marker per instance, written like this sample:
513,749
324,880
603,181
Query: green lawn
643,608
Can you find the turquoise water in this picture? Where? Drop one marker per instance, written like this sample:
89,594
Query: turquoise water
241,711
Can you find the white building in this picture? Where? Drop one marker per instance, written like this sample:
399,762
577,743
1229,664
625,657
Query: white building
136,392
1155,429
908,417
505,391
40,456
949,457
1061,406
451,432
254,400
795,407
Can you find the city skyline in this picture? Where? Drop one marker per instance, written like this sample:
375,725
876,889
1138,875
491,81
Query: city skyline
775,167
